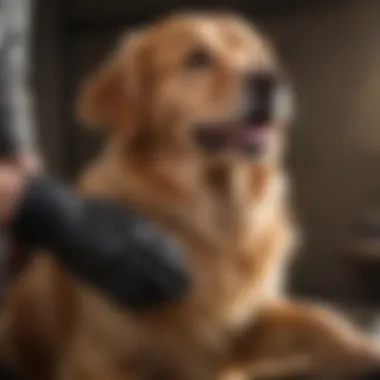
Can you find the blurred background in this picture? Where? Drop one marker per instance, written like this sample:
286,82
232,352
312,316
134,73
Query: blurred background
332,51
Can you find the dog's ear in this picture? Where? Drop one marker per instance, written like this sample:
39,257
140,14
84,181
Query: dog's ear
101,96
108,97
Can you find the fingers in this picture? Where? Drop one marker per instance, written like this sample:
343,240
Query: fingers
11,183
13,175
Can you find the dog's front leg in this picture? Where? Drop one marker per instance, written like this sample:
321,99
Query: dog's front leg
304,337
88,361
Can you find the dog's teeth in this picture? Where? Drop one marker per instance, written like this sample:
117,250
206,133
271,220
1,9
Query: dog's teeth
283,102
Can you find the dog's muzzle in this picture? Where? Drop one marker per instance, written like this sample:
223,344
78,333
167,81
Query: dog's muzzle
267,103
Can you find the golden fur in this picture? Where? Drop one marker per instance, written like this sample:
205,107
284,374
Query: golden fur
230,213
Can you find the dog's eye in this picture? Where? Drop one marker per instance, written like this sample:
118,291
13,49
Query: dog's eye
199,58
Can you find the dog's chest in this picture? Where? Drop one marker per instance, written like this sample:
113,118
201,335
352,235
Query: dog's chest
231,281
243,270
250,266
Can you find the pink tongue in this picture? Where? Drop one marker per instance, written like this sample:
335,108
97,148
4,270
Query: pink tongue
255,134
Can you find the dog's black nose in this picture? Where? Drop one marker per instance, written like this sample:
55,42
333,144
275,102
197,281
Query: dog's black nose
261,87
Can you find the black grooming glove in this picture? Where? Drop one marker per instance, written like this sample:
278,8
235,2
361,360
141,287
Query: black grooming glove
102,242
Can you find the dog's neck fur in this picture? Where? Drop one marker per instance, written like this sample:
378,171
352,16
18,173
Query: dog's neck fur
202,198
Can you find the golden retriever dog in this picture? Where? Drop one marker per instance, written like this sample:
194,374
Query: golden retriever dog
195,108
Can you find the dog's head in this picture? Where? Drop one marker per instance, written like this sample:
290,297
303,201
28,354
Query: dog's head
206,84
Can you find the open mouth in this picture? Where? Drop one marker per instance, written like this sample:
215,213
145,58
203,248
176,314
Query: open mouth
245,138
269,100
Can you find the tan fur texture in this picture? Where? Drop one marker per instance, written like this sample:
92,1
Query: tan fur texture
232,215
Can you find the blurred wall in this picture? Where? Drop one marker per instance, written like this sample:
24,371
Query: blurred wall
333,55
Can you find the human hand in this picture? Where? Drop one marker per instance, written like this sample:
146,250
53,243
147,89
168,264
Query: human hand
14,172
